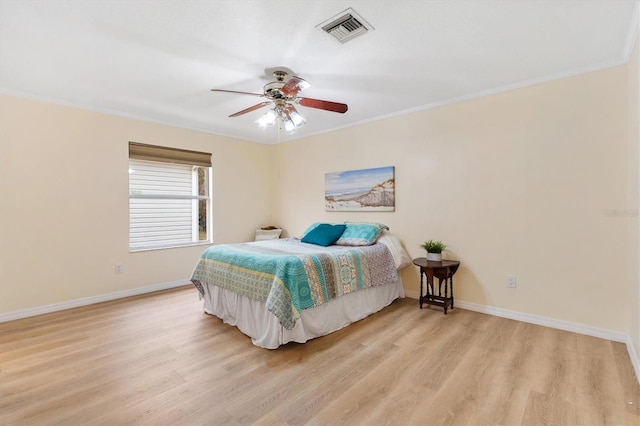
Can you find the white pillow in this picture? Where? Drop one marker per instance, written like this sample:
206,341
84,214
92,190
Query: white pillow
400,256
267,234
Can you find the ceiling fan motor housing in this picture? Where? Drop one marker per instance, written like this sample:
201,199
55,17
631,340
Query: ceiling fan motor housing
272,90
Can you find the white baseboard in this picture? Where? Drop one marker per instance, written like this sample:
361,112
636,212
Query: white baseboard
635,361
602,333
39,310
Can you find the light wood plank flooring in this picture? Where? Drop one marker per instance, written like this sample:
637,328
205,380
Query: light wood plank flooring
158,359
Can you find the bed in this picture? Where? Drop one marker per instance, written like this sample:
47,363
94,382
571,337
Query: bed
293,290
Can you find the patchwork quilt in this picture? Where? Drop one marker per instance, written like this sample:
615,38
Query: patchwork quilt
290,275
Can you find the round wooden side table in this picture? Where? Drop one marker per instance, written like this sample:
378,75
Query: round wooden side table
442,270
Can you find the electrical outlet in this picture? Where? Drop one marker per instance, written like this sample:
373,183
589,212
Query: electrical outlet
119,268
511,281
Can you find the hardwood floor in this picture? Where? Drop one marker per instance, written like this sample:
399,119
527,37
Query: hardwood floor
158,359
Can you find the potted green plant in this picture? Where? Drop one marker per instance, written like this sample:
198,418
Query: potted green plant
434,249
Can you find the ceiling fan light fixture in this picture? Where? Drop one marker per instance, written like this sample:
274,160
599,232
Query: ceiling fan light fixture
268,119
304,84
297,119
290,118
289,127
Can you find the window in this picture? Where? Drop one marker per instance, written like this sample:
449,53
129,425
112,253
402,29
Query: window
169,197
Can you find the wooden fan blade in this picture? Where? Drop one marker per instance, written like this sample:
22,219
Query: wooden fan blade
235,91
326,105
252,108
294,86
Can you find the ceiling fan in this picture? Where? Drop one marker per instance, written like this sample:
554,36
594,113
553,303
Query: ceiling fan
282,98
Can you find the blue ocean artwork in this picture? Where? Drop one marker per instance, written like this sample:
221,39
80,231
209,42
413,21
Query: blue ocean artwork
358,190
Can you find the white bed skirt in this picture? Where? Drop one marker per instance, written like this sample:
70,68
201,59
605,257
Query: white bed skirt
254,320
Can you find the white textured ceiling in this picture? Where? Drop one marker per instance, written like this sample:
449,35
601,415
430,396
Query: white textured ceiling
157,60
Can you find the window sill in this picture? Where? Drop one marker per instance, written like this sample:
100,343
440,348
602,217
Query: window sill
141,249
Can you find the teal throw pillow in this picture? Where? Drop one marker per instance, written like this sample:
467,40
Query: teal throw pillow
324,234
311,228
361,234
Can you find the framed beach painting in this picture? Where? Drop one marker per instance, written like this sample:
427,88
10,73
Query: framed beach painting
361,190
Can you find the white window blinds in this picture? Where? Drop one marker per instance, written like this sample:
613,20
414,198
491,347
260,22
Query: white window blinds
168,200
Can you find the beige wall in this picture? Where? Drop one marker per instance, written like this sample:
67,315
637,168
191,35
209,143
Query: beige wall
64,202
515,183
634,195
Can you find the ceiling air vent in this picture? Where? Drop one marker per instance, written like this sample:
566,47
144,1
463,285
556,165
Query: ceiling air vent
345,26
